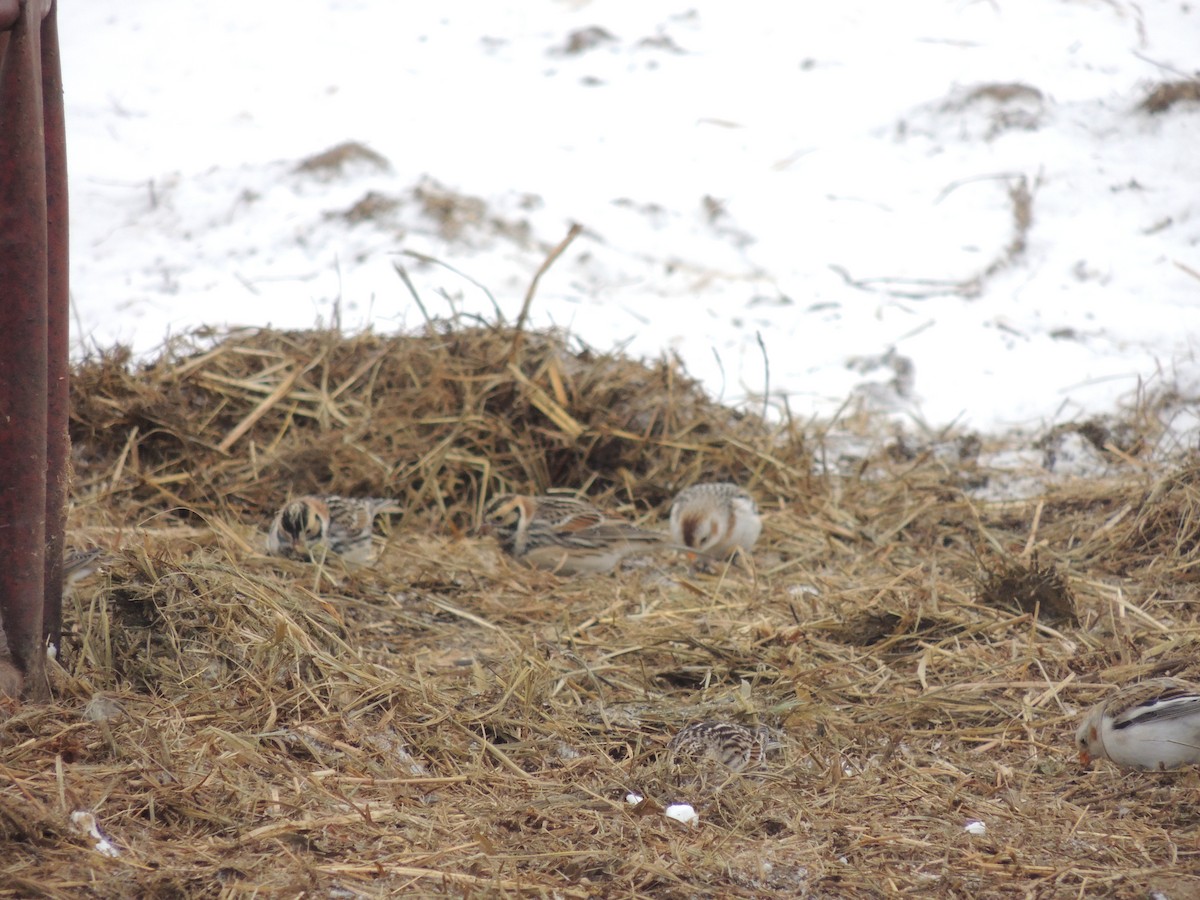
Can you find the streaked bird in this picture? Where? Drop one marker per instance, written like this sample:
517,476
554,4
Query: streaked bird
11,679
79,564
564,534
735,747
341,525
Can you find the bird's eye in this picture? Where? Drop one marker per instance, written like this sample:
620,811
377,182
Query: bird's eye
506,514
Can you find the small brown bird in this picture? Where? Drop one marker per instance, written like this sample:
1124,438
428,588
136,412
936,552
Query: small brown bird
564,534
11,679
79,564
341,525
1154,724
734,746
715,519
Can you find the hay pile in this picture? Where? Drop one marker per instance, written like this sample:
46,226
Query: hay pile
446,722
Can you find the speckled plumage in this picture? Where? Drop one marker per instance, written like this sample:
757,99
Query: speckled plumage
734,746
341,525
11,679
564,534
79,564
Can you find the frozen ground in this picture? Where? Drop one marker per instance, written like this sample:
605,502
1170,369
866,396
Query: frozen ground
956,211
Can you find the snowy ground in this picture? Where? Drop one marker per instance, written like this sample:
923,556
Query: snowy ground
953,210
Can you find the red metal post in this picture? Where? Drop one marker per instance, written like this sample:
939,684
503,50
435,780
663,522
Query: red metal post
57,321
32,220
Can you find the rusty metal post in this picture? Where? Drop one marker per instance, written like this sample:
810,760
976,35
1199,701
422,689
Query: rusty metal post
57,331
26,216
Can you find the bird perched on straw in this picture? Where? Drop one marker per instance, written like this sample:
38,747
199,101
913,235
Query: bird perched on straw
77,564
341,525
1151,725
734,746
566,535
12,682
714,520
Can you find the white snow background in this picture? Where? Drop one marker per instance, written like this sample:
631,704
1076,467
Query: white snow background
823,177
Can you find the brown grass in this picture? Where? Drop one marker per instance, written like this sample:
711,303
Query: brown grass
1163,96
446,722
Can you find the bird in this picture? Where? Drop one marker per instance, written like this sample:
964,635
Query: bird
566,535
734,746
12,681
714,520
1154,724
341,525
79,564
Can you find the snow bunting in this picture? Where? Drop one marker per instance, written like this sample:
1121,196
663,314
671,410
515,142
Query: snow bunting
340,525
733,746
564,534
715,519
1151,725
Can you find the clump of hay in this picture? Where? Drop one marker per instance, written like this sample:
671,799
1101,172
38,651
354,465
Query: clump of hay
446,721
234,425
1031,588
1165,524
1165,95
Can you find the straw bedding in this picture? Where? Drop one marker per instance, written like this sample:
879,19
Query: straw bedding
447,722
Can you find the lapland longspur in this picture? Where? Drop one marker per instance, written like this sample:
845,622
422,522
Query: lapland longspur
714,520
79,564
564,534
1151,725
341,525
734,746
11,680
